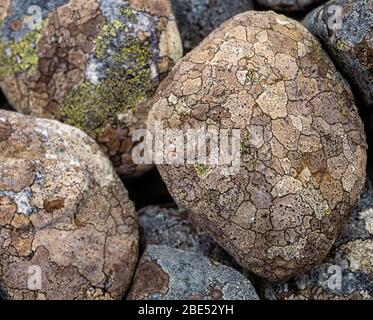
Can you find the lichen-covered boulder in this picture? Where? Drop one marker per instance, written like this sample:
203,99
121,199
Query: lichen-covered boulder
197,18
166,273
345,28
173,228
67,227
289,5
347,273
89,63
303,149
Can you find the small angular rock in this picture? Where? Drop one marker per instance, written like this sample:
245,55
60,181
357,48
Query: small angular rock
165,273
67,227
197,18
89,63
347,273
345,29
302,144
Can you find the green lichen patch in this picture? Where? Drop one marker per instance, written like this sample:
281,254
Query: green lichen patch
20,56
339,45
106,36
202,169
249,76
128,81
128,13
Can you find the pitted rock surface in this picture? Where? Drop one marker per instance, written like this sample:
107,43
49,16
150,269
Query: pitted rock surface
345,28
303,149
165,273
289,5
197,18
65,217
91,64
348,271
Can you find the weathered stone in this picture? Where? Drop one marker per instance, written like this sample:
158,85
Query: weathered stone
347,273
65,217
197,18
289,5
303,148
172,227
91,64
165,273
345,28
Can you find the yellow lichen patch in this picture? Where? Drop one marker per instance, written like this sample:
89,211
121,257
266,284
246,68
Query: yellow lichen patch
108,32
128,82
339,45
202,169
91,107
20,56
249,75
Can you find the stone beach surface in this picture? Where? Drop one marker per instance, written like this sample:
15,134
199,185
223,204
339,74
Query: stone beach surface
80,219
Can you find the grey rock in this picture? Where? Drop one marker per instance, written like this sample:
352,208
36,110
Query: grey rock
348,271
345,29
172,227
289,5
165,273
197,18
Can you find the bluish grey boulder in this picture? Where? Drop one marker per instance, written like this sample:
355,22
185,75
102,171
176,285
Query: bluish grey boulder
345,28
165,273
197,18
289,5
173,228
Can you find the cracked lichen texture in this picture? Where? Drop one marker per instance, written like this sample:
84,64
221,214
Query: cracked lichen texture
197,18
347,273
165,273
91,64
63,209
303,144
348,38
289,5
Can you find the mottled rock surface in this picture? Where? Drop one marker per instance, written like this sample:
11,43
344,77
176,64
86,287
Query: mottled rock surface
303,149
165,273
197,18
64,212
91,64
289,5
347,273
345,28
172,227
